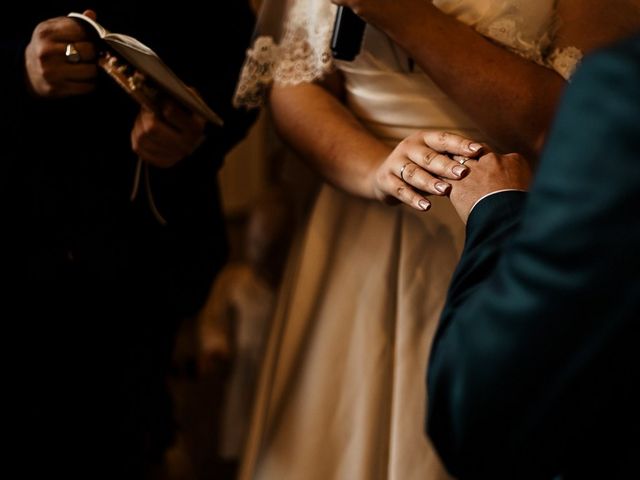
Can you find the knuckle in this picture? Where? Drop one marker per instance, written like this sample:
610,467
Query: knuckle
48,74
430,157
410,171
404,143
44,29
42,51
135,144
47,89
417,136
381,176
443,138
148,127
401,192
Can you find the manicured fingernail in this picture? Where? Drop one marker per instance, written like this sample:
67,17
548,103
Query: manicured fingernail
459,170
424,205
475,147
442,187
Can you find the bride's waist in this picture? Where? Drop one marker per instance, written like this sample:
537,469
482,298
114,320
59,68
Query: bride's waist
393,105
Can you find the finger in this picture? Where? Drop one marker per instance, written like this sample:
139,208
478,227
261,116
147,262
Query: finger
406,194
87,50
151,147
80,88
156,128
416,177
78,72
186,139
183,120
69,89
54,52
91,14
63,29
63,79
151,152
466,161
446,142
438,164
154,140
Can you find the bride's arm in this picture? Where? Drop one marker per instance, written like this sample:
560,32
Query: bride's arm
327,135
511,98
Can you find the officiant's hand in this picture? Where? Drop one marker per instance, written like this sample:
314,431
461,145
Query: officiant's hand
60,59
166,139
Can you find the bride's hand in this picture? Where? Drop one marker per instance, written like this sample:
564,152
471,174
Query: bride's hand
420,166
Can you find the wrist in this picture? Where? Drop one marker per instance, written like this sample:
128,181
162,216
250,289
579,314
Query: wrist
375,178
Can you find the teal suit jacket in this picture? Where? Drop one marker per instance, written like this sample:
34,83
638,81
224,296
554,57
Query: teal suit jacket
535,364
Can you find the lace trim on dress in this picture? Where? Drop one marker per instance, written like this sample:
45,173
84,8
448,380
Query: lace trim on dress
303,53
302,56
565,60
257,73
506,31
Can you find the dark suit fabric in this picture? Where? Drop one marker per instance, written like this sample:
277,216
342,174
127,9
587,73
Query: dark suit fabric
535,360
95,286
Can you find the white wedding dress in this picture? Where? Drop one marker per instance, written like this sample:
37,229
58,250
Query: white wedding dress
342,392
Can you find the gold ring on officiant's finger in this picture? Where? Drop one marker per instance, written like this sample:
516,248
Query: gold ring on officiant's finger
402,171
71,53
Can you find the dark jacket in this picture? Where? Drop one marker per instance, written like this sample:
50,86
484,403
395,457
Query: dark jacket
534,369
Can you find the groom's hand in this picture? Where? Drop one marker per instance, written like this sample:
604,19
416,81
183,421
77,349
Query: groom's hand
489,174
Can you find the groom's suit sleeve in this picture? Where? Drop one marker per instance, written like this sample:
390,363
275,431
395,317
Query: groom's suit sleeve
536,337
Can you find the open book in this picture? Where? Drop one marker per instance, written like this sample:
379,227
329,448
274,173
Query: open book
142,73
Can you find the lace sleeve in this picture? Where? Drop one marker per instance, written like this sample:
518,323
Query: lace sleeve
565,60
301,56
528,29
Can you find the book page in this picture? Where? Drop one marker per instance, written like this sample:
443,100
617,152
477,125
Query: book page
144,59
130,42
152,66
97,27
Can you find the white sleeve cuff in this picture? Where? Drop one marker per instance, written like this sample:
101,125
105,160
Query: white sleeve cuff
493,193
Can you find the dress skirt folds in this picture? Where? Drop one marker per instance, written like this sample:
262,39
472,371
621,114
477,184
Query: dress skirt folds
342,392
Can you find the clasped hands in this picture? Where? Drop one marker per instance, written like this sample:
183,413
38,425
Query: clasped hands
445,164
161,139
